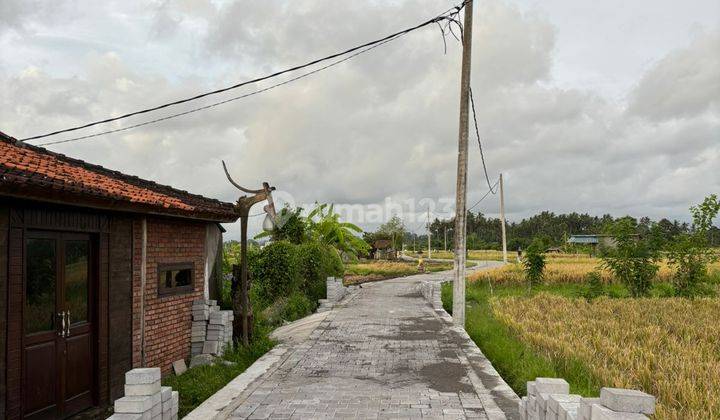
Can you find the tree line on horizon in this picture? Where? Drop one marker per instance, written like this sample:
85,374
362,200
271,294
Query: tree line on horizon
551,229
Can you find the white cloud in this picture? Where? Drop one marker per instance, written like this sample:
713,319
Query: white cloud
383,124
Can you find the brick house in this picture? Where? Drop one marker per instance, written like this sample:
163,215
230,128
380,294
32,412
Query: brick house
98,271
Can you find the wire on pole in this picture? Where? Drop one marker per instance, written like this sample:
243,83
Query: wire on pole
449,16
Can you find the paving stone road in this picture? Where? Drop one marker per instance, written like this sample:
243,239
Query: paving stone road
384,352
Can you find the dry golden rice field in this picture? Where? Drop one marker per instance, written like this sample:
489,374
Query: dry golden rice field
667,347
563,269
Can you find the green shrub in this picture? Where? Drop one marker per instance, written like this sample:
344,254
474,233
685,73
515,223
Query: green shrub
297,305
595,287
690,253
663,290
284,309
316,263
534,262
631,260
275,273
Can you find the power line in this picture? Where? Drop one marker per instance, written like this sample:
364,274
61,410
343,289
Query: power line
180,114
445,16
486,194
477,133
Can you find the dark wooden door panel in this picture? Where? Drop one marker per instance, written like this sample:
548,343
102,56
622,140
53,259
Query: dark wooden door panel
78,373
40,394
59,325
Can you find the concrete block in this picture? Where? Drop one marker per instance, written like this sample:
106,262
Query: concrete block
135,404
600,412
555,400
568,411
521,408
585,407
142,389
156,410
175,402
142,376
531,388
210,347
541,400
126,416
165,393
531,405
627,400
552,386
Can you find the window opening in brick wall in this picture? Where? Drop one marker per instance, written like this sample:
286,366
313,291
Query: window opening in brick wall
175,278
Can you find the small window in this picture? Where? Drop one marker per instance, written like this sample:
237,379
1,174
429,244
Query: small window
175,278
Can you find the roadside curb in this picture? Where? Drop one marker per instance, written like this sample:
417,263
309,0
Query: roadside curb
223,401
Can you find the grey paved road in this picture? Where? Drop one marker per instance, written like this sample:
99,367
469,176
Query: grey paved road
383,353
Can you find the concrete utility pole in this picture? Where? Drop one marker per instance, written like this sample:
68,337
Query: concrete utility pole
428,231
502,219
445,247
461,191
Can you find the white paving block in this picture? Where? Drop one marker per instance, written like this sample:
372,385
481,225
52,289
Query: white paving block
142,376
585,407
600,412
627,400
142,389
552,386
165,393
555,400
134,404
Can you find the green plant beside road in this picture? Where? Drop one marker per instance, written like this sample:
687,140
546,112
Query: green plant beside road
690,253
632,260
199,383
534,263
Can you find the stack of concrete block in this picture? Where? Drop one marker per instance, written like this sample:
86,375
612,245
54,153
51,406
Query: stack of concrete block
200,317
335,291
145,398
219,332
626,404
549,399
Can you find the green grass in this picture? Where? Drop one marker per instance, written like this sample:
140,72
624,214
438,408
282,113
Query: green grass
517,362
199,383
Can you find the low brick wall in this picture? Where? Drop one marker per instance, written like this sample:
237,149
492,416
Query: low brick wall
167,317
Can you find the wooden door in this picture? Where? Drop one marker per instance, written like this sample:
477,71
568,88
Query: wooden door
59,346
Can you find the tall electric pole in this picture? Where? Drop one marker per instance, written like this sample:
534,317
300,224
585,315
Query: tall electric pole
502,219
445,247
461,191
428,231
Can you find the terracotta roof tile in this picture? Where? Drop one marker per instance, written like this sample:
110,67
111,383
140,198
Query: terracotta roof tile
32,172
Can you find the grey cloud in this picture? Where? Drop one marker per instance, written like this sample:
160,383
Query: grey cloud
385,124
684,83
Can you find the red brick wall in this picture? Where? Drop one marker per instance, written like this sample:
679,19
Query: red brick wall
167,317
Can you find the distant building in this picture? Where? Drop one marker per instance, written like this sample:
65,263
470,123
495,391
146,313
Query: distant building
594,240
382,250
605,241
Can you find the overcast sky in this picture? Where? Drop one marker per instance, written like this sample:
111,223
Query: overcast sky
589,106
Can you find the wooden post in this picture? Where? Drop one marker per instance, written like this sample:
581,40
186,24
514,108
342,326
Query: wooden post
244,279
461,191
241,299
